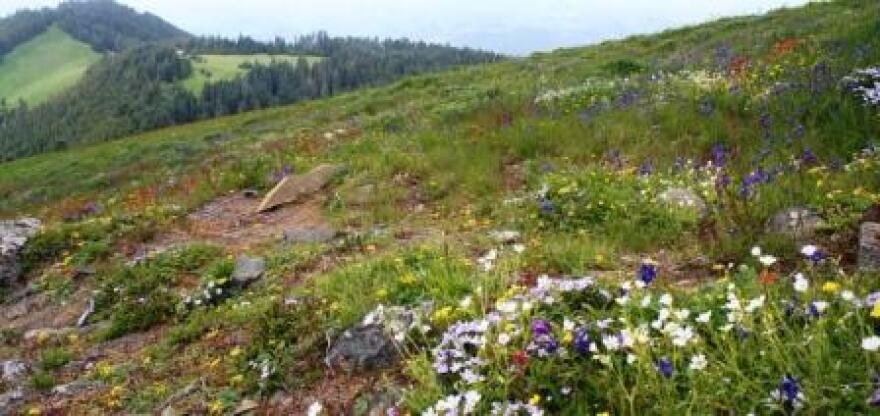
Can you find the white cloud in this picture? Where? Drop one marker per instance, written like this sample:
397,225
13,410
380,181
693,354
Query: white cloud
514,26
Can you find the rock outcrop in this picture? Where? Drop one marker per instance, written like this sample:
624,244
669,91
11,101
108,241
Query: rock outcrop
14,235
869,247
294,188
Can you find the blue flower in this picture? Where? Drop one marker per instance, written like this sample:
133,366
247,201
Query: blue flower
541,327
581,341
665,367
790,389
719,155
547,206
647,273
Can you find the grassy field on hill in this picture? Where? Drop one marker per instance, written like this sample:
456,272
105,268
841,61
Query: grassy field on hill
211,68
699,305
44,66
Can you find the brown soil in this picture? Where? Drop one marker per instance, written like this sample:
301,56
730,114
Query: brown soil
232,222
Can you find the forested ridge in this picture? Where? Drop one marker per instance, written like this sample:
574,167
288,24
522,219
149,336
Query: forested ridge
136,87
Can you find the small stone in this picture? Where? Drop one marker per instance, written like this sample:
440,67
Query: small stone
77,387
250,193
869,247
247,270
13,371
799,223
363,347
315,234
246,406
685,199
10,399
46,333
505,236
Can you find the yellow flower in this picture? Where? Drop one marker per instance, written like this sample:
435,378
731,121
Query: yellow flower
535,400
875,312
34,411
568,337
236,379
831,287
235,352
408,279
442,314
603,414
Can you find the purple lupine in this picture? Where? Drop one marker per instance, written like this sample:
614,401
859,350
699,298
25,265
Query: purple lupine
808,158
665,367
582,341
547,206
541,327
647,272
719,155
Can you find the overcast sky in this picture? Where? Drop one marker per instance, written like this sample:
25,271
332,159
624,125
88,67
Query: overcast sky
510,26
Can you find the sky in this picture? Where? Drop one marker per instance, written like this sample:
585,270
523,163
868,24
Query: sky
516,27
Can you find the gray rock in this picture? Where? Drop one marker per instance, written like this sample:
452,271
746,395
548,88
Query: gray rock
13,371
248,269
869,247
363,347
795,222
14,235
377,402
686,199
247,406
315,234
77,387
505,236
10,400
35,334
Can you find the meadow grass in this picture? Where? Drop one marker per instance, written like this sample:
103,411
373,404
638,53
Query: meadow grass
44,66
213,68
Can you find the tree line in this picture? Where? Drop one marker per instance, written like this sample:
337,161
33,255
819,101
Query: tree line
139,89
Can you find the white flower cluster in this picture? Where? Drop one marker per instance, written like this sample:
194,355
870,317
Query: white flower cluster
456,404
866,83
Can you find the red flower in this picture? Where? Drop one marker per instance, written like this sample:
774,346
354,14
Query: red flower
768,278
520,358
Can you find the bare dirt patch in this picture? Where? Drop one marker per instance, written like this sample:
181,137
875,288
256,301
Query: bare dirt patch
233,221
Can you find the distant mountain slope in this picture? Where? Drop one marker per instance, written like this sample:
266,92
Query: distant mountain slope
103,24
44,66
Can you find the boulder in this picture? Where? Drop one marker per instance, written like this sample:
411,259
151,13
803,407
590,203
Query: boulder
311,234
798,222
363,347
248,269
869,246
294,188
686,199
14,235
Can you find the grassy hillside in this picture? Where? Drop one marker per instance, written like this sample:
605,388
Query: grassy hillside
697,308
44,66
212,68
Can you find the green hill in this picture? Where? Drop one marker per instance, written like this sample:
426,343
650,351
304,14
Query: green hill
712,181
212,68
44,66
